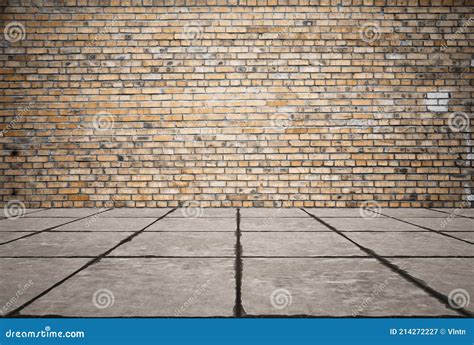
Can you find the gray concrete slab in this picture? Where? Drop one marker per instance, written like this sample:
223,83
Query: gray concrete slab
301,244
272,212
64,213
411,213
319,287
370,224
444,224
203,212
179,244
31,210
144,287
4,213
281,224
107,224
464,235
31,224
24,279
446,275
174,286
194,224
411,243
11,235
465,211
338,212
53,244
127,212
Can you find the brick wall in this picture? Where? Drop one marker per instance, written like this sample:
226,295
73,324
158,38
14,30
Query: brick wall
236,103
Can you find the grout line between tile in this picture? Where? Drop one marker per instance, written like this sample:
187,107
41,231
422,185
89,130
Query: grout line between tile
450,213
238,308
46,209
53,227
428,229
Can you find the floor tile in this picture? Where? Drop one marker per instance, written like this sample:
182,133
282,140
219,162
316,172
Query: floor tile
464,235
4,213
370,224
444,224
31,210
53,244
197,212
107,224
331,287
145,287
336,212
31,224
411,213
179,244
127,212
467,212
196,224
10,235
272,212
24,279
443,275
64,213
277,246
300,244
411,244
281,224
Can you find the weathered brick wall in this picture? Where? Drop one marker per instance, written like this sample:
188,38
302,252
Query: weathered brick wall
236,103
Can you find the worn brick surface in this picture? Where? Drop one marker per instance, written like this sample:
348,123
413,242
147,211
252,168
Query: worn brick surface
236,103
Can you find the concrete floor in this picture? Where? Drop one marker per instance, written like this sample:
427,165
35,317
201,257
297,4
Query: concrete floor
229,262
